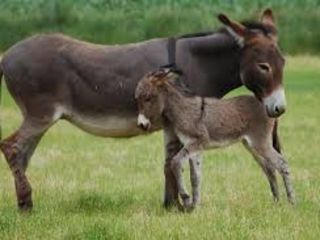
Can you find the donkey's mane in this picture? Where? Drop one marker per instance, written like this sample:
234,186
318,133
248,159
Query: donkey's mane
252,25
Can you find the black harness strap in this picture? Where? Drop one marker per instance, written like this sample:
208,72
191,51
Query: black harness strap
172,42
171,47
172,51
203,102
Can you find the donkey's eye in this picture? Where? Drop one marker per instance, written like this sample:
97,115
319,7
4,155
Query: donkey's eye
265,67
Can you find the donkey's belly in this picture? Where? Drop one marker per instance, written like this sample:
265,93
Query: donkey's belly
221,144
106,126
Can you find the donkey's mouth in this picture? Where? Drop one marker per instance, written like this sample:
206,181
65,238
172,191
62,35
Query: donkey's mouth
275,103
276,111
145,128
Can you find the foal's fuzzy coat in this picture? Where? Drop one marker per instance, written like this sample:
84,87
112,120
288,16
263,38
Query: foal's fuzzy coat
204,123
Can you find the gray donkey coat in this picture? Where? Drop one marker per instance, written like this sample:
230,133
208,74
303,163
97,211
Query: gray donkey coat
54,77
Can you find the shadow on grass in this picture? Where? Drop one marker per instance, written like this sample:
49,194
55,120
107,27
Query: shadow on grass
94,202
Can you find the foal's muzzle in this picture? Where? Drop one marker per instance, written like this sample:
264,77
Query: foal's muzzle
143,122
275,103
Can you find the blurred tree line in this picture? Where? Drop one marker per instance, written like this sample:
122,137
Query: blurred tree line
122,21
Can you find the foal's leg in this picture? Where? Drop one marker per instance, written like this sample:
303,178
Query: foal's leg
177,166
172,147
185,153
18,148
281,164
195,177
267,168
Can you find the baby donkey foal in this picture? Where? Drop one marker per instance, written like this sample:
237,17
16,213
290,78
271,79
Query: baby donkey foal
204,123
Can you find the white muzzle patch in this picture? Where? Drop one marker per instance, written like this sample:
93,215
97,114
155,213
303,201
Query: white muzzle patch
276,102
143,121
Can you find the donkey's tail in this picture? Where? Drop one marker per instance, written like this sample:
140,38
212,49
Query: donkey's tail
275,137
1,74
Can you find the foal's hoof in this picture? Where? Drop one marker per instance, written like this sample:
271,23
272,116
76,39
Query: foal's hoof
191,208
292,201
187,201
25,206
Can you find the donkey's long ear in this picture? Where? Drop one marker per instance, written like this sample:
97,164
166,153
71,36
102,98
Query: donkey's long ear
236,29
267,19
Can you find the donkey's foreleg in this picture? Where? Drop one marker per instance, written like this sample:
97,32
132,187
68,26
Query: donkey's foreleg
195,177
18,148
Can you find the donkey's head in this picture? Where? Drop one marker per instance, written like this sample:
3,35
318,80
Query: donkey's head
261,63
148,96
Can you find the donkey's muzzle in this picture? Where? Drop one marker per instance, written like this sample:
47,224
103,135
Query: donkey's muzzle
275,103
143,122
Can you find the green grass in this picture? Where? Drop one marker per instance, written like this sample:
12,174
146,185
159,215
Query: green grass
92,188
123,21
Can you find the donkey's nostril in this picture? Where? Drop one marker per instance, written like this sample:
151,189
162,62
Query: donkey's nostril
279,109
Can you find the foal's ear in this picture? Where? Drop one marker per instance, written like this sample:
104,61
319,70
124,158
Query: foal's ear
236,29
158,82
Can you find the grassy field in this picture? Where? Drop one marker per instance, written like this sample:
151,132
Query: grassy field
92,188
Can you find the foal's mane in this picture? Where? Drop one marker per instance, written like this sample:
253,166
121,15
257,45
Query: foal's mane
182,88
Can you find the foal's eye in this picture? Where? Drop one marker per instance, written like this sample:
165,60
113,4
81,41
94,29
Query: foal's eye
147,99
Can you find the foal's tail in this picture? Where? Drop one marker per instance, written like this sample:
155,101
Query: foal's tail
275,137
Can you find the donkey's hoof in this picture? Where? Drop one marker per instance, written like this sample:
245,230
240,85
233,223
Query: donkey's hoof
168,204
25,206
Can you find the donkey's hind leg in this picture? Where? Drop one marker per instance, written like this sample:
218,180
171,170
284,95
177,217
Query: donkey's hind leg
267,167
18,148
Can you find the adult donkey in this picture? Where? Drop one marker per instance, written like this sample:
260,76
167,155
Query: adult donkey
54,77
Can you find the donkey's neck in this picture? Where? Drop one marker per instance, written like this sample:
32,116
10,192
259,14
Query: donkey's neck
211,64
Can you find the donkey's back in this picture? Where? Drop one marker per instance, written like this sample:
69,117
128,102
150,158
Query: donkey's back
53,76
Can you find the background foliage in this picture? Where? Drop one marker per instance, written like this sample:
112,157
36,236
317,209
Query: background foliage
121,21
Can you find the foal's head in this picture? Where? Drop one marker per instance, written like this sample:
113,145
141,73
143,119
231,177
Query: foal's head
261,63
148,96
